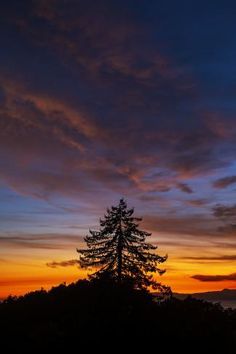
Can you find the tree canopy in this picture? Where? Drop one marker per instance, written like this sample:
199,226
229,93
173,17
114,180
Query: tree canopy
119,251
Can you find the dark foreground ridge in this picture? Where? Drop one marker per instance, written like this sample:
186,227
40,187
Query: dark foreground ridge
96,313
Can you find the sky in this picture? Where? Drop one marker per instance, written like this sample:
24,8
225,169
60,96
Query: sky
102,100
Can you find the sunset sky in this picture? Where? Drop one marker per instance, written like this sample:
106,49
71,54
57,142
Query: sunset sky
104,99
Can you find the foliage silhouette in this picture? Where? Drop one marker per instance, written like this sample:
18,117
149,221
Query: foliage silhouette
120,250
90,313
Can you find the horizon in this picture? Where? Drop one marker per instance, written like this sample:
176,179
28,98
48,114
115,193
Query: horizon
151,291
117,99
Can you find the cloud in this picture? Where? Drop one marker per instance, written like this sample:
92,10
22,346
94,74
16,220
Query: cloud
214,278
197,202
99,105
225,244
229,229
196,160
184,188
68,263
227,215
78,124
34,110
224,211
191,225
35,125
130,79
112,37
40,241
231,257
223,128
224,182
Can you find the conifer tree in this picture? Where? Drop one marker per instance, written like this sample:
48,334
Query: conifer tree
119,250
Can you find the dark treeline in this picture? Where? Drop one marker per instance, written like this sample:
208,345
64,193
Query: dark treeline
101,314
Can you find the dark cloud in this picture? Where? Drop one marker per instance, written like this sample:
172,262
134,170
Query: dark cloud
184,188
152,198
68,263
224,182
224,211
215,278
189,225
231,257
197,202
227,215
196,160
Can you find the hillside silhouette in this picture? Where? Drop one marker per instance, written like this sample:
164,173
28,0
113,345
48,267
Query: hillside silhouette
94,312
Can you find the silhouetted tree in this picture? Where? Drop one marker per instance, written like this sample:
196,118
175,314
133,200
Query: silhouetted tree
120,251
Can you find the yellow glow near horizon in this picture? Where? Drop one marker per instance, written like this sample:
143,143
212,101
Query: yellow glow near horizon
18,278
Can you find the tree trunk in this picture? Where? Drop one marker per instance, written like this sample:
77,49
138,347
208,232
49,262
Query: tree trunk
119,258
119,252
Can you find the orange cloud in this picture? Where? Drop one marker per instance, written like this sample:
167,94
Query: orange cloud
53,110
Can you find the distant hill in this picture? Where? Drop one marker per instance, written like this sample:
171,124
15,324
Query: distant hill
227,297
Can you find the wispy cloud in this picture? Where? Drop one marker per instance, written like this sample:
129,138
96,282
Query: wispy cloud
67,263
197,202
224,182
184,188
40,241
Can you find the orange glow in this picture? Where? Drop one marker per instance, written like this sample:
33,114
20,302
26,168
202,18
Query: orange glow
23,270
19,278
